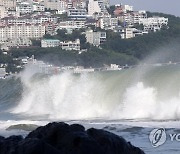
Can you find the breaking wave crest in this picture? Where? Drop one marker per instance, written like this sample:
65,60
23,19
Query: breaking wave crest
107,95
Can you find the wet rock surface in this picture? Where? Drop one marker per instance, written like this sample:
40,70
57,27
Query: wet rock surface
61,138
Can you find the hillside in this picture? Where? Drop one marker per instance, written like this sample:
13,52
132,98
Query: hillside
115,50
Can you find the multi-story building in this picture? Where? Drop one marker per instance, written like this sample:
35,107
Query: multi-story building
13,13
96,6
138,15
66,45
132,18
24,8
75,13
38,7
71,45
21,31
28,19
127,8
108,23
47,43
154,23
9,4
51,28
3,11
77,4
59,5
16,43
72,24
95,38
127,33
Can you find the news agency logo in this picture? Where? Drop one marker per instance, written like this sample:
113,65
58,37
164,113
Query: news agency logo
157,137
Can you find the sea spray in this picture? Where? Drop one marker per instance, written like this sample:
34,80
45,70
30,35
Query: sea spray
105,95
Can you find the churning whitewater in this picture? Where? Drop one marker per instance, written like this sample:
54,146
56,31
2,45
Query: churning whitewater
151,93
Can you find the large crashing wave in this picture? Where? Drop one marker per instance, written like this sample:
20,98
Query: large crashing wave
152,94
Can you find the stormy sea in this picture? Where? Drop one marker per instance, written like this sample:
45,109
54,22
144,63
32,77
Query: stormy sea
130,102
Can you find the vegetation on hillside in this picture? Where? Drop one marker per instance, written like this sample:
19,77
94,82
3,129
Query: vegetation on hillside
142,46
115,50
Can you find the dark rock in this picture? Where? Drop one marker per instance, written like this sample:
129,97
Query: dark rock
111,143
1,139
7,146
35,146
51,133
61,138
77,127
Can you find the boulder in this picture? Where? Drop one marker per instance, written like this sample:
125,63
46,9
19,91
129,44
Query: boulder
61,138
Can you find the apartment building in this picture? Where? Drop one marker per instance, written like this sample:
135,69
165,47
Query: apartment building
72,24
38,7
21,31
108,23
71,45
93,6
24,8
132,18
47,43
65,45
59,5
51,28
3,11
77,4
28,19
153,23
95,38
16,43
13,13
127,33
9,4
79,13
127,8
138,15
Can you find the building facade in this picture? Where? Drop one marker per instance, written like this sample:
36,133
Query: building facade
9,4
93,7
71,45
3,12
75,13
59,5
24,8
47,43
21,31
154,23
95,38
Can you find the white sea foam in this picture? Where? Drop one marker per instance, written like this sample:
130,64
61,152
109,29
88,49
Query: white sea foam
66,96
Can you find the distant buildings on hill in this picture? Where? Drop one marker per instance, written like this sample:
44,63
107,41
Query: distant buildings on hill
25,20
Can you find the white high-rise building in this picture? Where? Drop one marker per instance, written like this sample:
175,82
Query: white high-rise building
24,8
3,12
59,5
127,8
93,7
9,4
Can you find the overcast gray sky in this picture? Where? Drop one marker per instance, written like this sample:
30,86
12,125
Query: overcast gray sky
165,6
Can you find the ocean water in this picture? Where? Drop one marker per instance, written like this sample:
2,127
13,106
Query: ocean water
129,103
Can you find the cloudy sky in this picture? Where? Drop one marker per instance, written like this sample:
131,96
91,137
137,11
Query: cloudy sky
165,6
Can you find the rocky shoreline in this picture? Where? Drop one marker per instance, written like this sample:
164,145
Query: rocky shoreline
61,138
